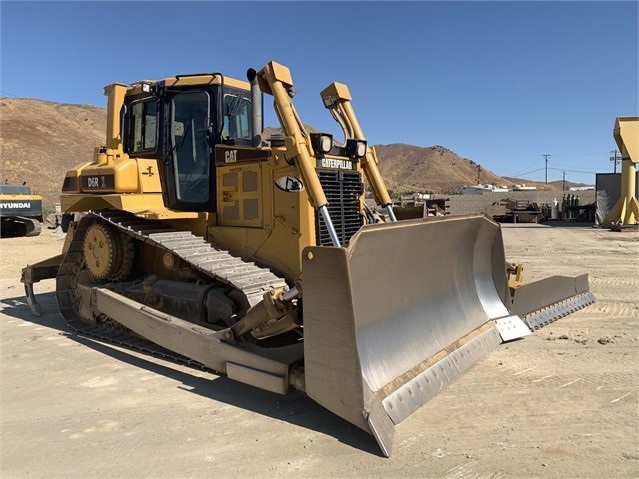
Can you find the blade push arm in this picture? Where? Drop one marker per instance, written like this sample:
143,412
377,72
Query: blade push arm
337,99
275,79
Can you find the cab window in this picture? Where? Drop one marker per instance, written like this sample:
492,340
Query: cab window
142,127
237,117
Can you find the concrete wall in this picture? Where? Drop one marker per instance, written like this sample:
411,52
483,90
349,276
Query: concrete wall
472,204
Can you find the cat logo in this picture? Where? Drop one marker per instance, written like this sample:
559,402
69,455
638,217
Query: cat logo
230,156
289,183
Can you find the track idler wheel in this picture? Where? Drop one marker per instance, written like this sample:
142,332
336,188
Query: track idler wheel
108,254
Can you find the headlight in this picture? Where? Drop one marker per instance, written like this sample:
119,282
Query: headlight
328,101
356,148
326,143
322,142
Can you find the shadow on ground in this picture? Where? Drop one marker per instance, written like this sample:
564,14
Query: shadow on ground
295,407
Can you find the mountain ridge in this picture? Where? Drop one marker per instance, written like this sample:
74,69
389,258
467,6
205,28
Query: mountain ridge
40,140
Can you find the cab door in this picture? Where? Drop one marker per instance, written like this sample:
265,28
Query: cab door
192,177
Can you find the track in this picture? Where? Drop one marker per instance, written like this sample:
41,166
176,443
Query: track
218,264
20,226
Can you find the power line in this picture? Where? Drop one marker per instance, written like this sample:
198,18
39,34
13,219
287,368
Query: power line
527,172
547,156
581,154
521,172
573,171
6,93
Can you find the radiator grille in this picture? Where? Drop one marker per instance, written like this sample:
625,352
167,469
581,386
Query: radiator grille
343,190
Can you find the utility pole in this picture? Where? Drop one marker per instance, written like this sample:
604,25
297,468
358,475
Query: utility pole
615,159
478,173
563,185
546,158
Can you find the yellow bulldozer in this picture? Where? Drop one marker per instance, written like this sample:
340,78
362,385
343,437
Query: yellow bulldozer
196,239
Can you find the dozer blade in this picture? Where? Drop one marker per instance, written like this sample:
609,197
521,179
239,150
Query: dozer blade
551,298
399,314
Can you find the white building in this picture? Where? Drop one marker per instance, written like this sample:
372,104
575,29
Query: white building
481,189
524,188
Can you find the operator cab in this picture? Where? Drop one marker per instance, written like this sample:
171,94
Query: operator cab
178,122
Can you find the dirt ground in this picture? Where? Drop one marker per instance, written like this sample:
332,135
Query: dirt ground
562,402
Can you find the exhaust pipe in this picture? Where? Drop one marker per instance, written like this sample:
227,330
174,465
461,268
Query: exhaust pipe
256,100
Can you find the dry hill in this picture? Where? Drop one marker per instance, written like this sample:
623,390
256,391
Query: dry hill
407,168
40,140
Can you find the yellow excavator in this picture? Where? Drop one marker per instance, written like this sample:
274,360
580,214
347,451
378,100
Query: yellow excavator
195,238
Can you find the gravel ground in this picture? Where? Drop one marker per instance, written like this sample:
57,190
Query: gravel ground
561,402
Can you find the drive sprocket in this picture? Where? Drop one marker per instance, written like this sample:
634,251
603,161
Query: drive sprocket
108,254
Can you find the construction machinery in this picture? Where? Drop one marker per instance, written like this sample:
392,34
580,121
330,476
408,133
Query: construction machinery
509,210
626,210
20,211
195,238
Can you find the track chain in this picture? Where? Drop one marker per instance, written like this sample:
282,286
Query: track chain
216,263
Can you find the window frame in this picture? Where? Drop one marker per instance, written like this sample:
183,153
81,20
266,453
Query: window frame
131,124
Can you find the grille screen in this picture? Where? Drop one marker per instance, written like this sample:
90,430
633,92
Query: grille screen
343,190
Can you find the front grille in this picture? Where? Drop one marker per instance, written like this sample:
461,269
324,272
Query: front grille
343,190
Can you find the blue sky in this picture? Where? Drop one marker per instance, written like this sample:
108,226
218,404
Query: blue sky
501,83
